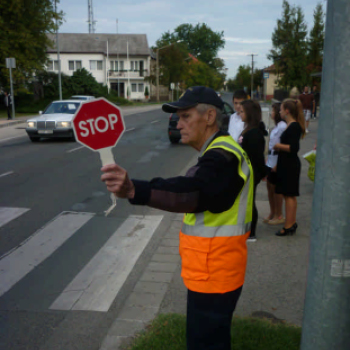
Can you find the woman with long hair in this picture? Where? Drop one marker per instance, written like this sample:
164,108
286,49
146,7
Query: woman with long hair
288,163
275,200
253,142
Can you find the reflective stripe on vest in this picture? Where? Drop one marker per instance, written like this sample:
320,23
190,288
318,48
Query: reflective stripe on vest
235,221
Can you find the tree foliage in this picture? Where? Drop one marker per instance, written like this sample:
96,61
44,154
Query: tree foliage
316,40
188,55
243,79
23,28
289,52
200,40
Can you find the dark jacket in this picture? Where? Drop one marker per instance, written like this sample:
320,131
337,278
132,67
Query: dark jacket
212,184
253,142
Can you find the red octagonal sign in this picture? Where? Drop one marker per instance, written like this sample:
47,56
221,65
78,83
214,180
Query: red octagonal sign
98,124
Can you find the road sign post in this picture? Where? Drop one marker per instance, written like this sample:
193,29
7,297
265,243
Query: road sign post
99,125
266,76
11,63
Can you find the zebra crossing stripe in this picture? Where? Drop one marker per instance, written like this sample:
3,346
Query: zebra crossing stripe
30,253
98,283
9,214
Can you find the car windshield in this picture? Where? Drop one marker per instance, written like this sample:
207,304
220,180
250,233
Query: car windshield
62,107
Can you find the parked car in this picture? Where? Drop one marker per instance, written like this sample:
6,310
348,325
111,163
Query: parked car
82,97
55,121
174,133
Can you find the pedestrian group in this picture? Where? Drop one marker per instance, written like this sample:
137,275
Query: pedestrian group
217,197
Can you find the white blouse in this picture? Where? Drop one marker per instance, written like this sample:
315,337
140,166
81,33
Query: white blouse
275,137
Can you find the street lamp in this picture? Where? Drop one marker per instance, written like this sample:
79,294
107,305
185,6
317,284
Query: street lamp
58,56
157,68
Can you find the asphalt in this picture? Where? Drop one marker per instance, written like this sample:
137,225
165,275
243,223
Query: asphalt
275,281
48,179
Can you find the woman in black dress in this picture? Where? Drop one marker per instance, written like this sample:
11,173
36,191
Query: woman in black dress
253,142
288,164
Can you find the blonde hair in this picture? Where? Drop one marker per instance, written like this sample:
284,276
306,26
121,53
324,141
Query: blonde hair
295,109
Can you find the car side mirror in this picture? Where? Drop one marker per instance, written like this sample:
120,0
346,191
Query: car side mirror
40,112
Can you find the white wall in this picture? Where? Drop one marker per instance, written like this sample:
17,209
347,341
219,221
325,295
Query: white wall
100,75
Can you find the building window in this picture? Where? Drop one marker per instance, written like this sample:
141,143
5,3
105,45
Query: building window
134,65
141,88
133,87
74,65
96,65
111,65
52,65
121,65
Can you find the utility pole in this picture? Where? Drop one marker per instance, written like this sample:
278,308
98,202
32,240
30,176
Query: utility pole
326,321
252,79
58,56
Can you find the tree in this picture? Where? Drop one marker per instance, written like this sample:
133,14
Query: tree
316,39
199,73
84,83
201,41
289,52
23,28
243,77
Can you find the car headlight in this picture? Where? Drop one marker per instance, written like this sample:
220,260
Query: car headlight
31,124
63,124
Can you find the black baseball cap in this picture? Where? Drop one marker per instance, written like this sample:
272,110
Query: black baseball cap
192,96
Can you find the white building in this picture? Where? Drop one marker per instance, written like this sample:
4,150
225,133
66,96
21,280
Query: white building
120,61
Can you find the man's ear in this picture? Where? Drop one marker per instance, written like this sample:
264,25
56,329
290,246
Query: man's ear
211,117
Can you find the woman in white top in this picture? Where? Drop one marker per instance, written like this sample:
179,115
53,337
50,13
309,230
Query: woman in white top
275,217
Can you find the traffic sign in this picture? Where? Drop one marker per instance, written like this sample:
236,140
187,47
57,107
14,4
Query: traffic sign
266,75
98,125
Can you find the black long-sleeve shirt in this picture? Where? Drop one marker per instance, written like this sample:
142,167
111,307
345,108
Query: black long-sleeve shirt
253,142
212,184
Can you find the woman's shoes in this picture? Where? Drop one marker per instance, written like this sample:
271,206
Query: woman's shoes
280,220
287,231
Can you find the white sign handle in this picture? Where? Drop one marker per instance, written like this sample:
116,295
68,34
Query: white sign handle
107,158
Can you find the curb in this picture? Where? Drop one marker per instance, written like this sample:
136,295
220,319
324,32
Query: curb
12,123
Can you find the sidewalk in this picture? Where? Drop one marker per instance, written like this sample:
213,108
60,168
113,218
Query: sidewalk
275,279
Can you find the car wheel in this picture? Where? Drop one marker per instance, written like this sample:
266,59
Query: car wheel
34,139
174,140
72,138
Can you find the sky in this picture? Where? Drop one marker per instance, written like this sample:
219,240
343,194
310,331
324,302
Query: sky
247,24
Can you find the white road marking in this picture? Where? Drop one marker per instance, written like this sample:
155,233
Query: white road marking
5,174
8,214
75,149
30,253
155,121
11,138
129,129
97,285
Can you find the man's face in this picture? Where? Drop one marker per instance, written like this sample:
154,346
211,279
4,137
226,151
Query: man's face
237,105
306,89
192,126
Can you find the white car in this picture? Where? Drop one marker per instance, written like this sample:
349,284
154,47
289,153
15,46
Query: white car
82,97
55,121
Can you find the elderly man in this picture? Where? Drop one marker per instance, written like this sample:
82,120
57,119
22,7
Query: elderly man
216,196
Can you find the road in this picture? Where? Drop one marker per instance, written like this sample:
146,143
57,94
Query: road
65,268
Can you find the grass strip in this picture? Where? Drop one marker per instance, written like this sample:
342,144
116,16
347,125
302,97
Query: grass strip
168,331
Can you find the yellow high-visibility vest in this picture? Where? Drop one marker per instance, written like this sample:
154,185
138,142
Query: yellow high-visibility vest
213,246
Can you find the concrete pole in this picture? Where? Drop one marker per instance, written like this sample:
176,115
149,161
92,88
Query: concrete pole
127,53
252,79
326,324
157,71
58,56
12,99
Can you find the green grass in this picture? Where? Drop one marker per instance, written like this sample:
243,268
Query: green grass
169,332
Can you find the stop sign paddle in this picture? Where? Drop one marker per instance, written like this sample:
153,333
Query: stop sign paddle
98,125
